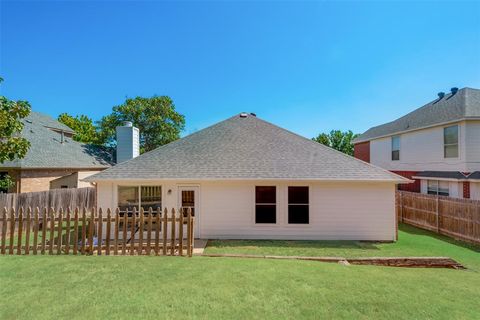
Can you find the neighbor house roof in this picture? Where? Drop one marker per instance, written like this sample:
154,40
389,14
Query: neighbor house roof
48,151
456,175
465,104
244,148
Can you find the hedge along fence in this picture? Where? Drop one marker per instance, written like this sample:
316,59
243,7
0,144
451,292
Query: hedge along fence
90,232
56,198
457,218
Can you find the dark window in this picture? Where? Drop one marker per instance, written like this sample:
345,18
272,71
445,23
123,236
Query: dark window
396,148
265,204
298,205
63,187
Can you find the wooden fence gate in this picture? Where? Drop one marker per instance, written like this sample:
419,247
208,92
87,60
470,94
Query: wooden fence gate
88,232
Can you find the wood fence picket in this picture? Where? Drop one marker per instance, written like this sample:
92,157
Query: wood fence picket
90,232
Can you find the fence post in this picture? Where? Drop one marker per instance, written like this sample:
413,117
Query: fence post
12,230
401,206
99,231
20,231
4,230
172,240
60,231
437,212
189,232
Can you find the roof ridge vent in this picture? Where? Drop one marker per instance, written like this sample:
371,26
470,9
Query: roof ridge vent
243,115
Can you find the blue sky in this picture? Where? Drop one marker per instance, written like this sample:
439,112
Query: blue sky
307,66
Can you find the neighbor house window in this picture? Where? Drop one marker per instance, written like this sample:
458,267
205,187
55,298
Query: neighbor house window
450,142
438,188
265,204
298,205
396,148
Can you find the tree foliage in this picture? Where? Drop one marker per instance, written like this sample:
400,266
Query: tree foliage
12,145
156,118
85,129
6,182
338,140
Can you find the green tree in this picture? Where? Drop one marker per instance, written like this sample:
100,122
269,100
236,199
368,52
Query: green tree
12,145
6,182
85,129
338,140
156,118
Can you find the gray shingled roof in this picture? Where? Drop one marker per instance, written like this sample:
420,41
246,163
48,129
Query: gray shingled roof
442,174
47,151
462,105
245,148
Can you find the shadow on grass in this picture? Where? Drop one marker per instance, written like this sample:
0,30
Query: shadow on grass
421,232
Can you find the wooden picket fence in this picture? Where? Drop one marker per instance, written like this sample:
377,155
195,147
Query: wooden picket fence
457,218
89,232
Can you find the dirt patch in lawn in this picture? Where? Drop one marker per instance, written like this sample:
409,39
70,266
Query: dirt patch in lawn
411,262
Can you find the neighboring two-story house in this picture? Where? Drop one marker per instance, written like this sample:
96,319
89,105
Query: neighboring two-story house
437,145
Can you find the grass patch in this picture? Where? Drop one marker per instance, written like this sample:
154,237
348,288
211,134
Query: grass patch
100,287
412,242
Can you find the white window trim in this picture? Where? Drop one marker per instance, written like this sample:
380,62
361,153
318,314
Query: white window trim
287,202
139,186
451,144
277,223
399,147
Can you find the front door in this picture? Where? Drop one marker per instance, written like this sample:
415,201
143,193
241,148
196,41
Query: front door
188,198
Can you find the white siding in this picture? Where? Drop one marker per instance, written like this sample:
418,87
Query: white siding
475,190
422,150
472,138
338,211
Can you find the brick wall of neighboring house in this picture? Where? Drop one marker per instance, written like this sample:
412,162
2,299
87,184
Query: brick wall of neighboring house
413,187
33,180
362,151
466,189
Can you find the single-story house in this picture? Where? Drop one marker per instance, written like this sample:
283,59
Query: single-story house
54,160
246,178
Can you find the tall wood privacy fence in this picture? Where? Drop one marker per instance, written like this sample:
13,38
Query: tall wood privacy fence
457,218
87,232
82,198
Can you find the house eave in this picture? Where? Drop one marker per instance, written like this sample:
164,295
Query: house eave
396,181
356,141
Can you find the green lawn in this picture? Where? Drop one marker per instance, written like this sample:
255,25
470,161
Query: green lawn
44,287
412,242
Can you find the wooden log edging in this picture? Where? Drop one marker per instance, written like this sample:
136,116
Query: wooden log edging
410,262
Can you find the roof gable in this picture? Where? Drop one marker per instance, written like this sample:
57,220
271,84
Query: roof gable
244,148
462,105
